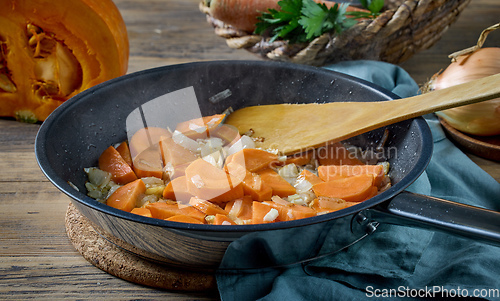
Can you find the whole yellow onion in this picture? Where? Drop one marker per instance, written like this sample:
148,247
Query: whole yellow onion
480,118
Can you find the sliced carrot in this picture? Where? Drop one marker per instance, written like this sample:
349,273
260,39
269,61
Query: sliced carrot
181,218
309,176
177,190
299,212
222,219
263,213
240,208
326,204
332,172
146,138
254,159
256,188
336,154
300,158
199,128
165,210
229,134
279,185
142,211
211,183
206,207
125,197
112,162
350,189
125,152
148,163
175,156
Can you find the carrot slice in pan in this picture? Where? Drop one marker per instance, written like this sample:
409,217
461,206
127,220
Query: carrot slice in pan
166,210
309,176
124,151
181,218
206,207
240,208
333,172
254,159
112,162
222,219
125,197
142,211
177,190
351,189
279,185
200,128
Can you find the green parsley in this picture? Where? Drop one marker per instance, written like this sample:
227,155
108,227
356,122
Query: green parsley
301,21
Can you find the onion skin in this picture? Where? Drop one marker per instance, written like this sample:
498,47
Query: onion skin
482,119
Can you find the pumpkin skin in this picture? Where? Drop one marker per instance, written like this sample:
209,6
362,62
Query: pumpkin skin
51,50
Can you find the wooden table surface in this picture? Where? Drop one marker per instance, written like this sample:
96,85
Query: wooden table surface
36,258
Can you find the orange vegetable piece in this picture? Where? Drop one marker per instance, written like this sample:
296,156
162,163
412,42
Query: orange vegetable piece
146,138
222,219
256,188
200,128
206,207
332,172
165,210
112,162
259,212
148,163
125,152
309,176
336,154
300,158
181,218
125,197
211,183
242,208
279,185
288,211
142,211
176,156
326,204
254,159
350,189
53,50
227,133
177,190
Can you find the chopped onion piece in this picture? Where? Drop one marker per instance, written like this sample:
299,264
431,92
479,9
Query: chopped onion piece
98,177
243,142
302,185
271,215
236,209
185,141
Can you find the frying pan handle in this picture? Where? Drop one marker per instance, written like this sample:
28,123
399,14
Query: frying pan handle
432,213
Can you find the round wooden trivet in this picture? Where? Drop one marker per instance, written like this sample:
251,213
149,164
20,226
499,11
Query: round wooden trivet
127,266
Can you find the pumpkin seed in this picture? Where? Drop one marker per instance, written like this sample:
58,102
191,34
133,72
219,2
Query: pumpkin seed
6,84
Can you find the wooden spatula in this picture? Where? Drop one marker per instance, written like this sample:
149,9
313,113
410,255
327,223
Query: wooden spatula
291,128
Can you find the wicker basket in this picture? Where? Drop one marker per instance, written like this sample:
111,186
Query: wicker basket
401,30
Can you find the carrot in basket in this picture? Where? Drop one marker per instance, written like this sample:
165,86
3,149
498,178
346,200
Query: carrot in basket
242,14
112,162
332,172
351,189
125,197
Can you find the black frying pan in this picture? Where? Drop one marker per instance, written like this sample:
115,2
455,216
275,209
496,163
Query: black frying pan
74,136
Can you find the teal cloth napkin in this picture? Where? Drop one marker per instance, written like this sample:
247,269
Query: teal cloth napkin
395,261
